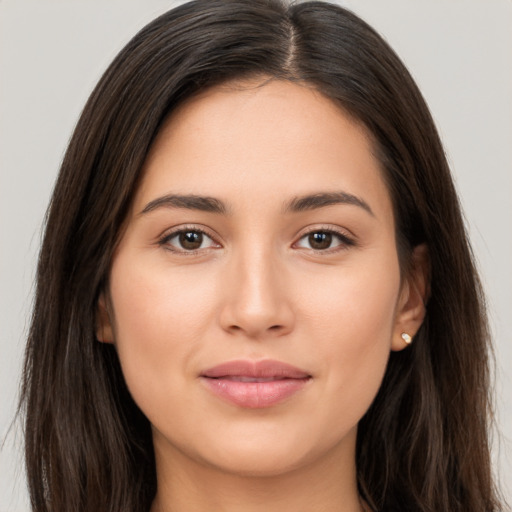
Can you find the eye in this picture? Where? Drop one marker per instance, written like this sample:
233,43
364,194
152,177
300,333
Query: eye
187,240
323,240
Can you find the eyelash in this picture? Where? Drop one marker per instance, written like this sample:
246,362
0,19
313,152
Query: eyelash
165,239
344,240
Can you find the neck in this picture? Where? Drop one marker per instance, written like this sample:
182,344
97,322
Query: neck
326,485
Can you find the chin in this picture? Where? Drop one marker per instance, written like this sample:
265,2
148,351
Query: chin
258,463
271,455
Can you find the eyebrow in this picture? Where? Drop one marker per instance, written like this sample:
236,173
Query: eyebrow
323,199
189,202
297,204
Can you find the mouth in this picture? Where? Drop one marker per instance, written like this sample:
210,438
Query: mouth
255,384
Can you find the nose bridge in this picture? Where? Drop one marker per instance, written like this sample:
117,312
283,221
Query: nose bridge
257,301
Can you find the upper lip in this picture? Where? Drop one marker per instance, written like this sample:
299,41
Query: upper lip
266,368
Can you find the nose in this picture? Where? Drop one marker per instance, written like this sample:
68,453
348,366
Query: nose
257,300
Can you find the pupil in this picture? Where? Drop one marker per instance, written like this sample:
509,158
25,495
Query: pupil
320,240
191,240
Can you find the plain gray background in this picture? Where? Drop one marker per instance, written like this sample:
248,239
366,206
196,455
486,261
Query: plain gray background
52,52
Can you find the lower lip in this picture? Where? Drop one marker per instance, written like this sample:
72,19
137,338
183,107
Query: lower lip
255,395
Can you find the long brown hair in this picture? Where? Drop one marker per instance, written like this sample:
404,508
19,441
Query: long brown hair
423,444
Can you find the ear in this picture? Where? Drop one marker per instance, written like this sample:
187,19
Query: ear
411,307
104,331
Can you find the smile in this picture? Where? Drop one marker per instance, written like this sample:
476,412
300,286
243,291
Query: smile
241,378
254,385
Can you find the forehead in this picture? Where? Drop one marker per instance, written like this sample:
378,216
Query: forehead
262,138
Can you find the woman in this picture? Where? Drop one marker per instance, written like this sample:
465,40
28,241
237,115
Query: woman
255,289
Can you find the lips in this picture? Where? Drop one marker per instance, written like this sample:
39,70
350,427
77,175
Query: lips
255,384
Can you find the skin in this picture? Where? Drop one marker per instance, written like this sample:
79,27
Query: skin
257,289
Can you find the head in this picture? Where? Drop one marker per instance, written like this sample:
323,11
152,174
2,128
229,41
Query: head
189,62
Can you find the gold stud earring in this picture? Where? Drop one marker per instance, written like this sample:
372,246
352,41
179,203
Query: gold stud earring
407,338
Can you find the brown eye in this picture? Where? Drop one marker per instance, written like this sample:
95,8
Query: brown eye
187,240
324,240
320,240
190,240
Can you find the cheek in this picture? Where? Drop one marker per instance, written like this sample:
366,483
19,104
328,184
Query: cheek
155,301
351,317
355,301
160,320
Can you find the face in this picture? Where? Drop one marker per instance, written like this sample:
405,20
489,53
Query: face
255,294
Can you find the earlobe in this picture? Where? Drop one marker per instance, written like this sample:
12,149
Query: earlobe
104,332
411,307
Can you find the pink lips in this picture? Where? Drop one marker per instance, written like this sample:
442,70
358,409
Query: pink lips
255,384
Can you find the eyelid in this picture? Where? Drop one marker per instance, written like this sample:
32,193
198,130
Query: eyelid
347,239
170,233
